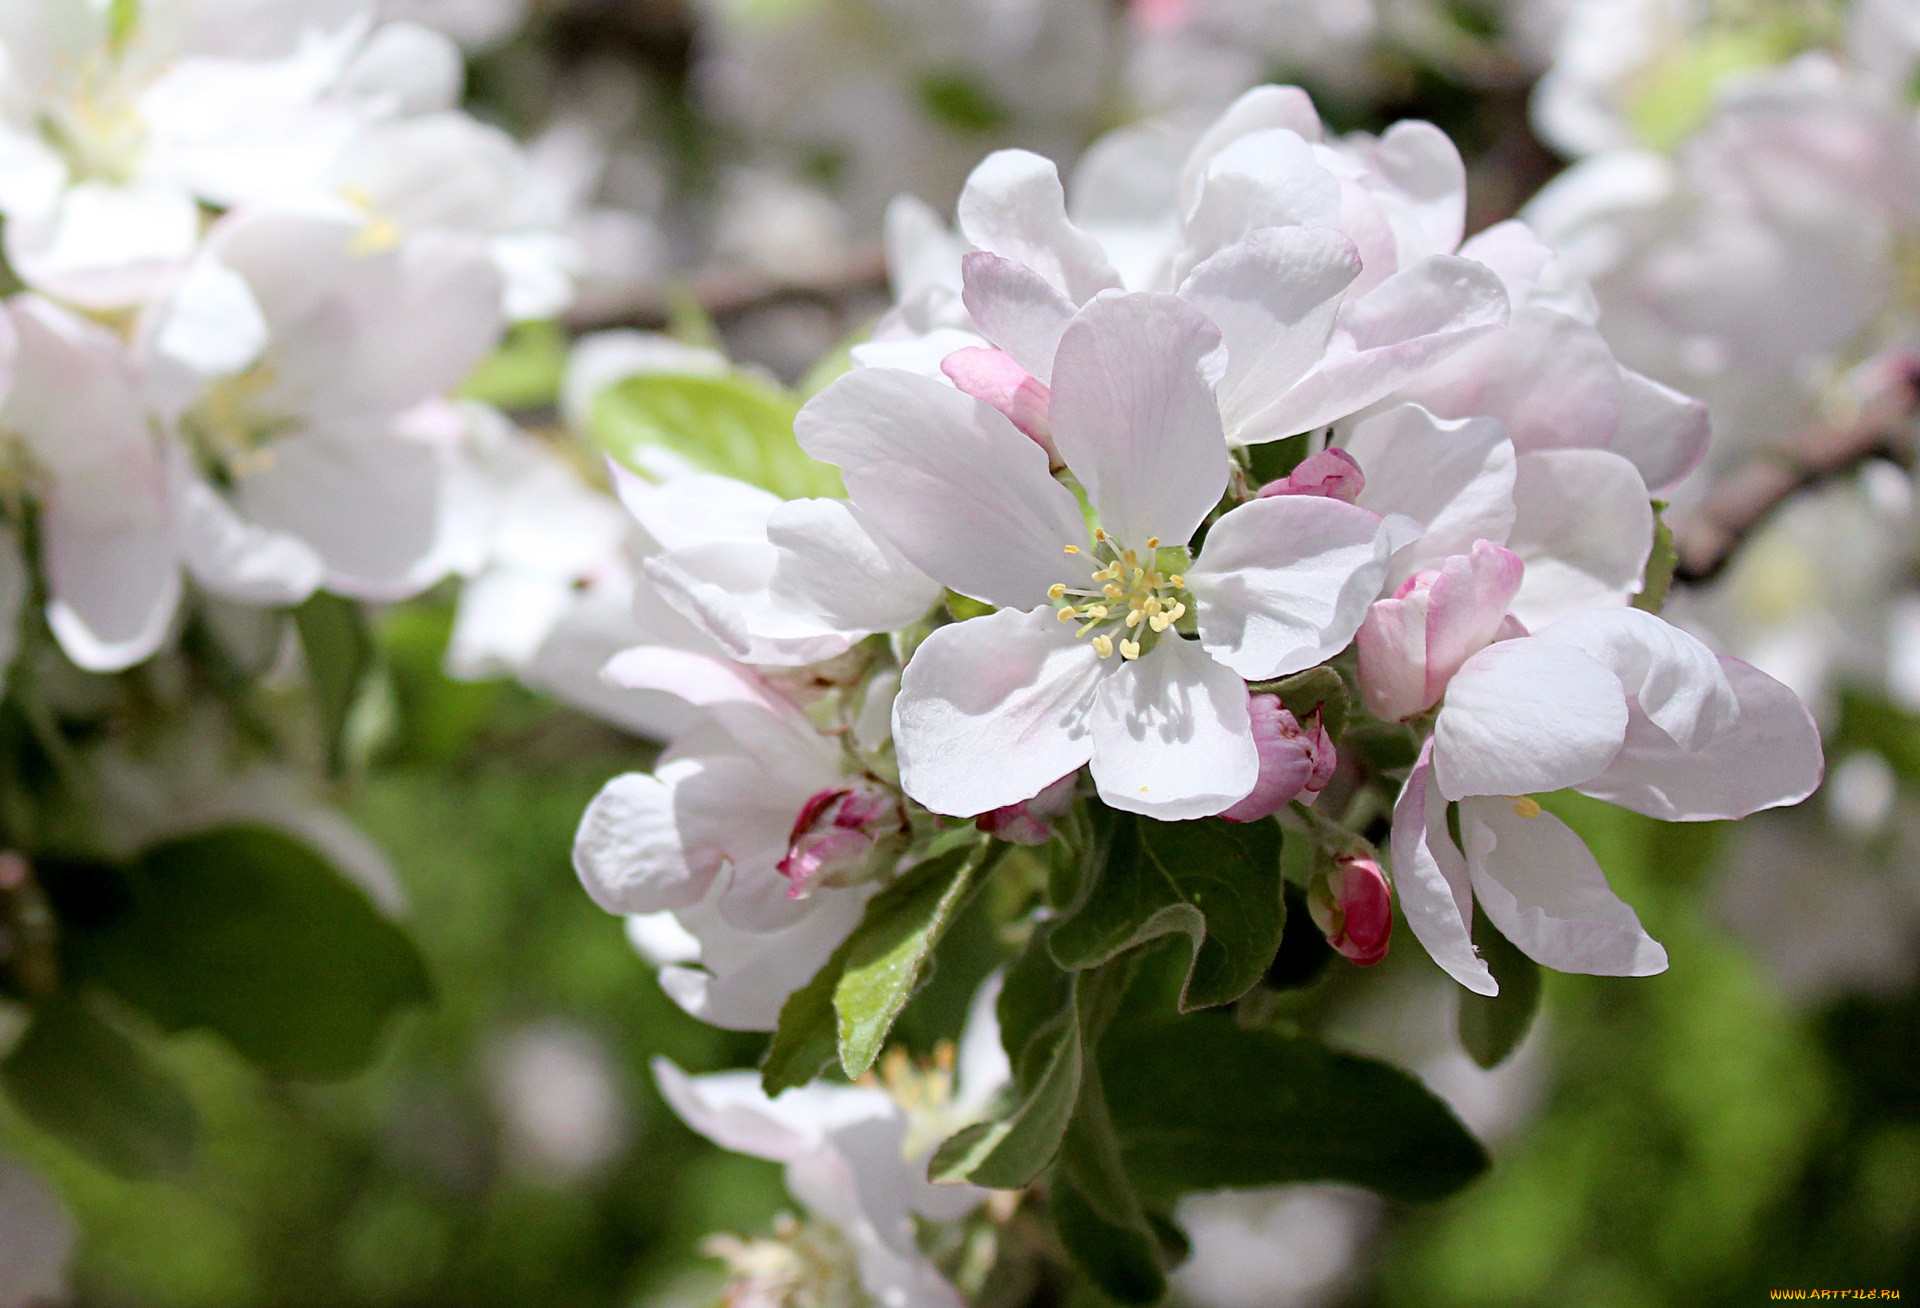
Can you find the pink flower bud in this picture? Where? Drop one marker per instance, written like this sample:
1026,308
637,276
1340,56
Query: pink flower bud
1030,822
841,834
1331,474
993,376
1161,15
1353,907
1296,760
1411,645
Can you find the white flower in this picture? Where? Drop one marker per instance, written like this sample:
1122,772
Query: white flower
36,1239
1614,703
303,362
856,1156
994,709
704,836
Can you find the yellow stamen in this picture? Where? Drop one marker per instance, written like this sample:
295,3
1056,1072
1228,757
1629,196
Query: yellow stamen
1103,645
1129,649
1133,618
1068,615
1057,591
1073,549
1177,581
1153,542
1526,806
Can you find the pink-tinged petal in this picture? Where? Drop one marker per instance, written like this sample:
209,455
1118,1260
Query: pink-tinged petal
1550,378
1430,875
1466,607
1296,760
1540,885
757,717
1269,178
1674,679
1391,649
1135,418
113,577
628,852
843,834
1015,207
726,590
1261,109
1512,250
1030,822
731,1109
745,977
1172,739
1332,474
1527,716
1274,296
1417,171
1771,757
1284,583
994,709
1584,524
1453,478
1017,309
1353,907
831,563
1662,432
993,376
955,487
1384,339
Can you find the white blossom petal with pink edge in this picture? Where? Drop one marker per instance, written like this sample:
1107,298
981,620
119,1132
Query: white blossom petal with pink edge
1262,109
628,851
1384,339
1274,296
1284,582
993,710
726,589
1584,524
1525,716
1171,735
745,977
1662,432
1269,178
832,563
965,495
1014,206
1453,478
1416,175
1017,309
1430,878
1134,415
1771,757
1673,678
759,719
1467,609
1540,885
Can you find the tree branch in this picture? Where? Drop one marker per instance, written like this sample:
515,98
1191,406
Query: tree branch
1707,537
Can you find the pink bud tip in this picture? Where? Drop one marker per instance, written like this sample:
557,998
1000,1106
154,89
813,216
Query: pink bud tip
993,377
1030,822
1353,907
1331,474
1161,15
836,835
1296,760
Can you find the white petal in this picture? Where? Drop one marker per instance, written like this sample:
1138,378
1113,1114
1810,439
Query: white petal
1771,757
832,564
1284,582
1416,170
1455,479
1274,297
1268,178
113,578
1526,716
758,718
238,560
1134,415
744,976
1172,738
75,400
105,247
368,503
964,494
210,324
731,1109
1385,338
1584,524
1016,309
1125,192
726,590
1663,432
1540,885
1673,677
993,709
1430,878
1013,206
685,512
1261,109
628,851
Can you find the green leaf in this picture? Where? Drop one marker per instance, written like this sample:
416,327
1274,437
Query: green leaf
1273,460
339,653
87,1083
891,949
1492,1026
1215,882
1095,1210
1658,580
123,19
250,933
1202,1104
1317,688
881,964
525,372
960,104
736,425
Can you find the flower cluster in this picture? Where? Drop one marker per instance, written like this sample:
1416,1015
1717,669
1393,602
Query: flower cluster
1234,485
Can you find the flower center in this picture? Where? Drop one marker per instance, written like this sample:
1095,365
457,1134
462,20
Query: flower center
1130,602
924,1091
97,130
235,422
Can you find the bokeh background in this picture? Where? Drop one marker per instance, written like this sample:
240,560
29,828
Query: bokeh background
1749,1120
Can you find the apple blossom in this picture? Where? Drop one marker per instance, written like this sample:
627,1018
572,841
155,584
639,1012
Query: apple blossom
1352,905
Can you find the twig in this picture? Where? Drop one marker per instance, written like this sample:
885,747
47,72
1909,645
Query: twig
1707,538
